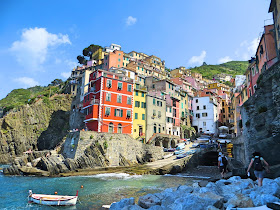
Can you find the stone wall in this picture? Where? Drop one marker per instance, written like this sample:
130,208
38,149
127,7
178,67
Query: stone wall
261,120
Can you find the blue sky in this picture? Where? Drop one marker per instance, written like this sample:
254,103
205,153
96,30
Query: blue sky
40,40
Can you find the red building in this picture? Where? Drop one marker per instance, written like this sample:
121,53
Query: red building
108,103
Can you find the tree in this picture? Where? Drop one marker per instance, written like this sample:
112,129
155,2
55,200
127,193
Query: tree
56,82
204,64
81,60
87,53
183,128
191,130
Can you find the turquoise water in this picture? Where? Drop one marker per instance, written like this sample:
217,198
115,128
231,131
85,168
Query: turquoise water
98,189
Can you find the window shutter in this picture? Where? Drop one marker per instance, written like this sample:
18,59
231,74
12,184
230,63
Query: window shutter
121,112
115,112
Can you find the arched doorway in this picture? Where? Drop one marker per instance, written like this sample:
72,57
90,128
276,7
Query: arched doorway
165,143
173,144
157,143
111,127
119,128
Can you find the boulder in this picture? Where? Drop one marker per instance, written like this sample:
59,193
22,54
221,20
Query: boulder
148,201
211,208
200,201
184,189
132,207
270,187
156,207
240,201
123,203
261,199
203,183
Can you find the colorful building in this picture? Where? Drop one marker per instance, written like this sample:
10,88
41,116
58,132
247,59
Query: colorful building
108,105
139,117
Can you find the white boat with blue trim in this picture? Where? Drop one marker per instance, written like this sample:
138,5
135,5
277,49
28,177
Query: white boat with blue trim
52,200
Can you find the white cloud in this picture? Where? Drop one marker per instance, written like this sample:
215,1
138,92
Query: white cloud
198,59
131,20
26,81
247,49
65,75
71,64
224,59
32,49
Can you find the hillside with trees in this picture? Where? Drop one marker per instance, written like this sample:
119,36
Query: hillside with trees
232,68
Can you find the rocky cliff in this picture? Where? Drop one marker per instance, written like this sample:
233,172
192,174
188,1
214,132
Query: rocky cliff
39,126
261,120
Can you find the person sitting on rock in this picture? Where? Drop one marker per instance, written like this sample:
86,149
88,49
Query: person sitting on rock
259,170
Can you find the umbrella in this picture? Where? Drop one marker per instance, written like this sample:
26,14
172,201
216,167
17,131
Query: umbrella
223,128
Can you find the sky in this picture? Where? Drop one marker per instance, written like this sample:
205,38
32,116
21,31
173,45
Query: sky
40,40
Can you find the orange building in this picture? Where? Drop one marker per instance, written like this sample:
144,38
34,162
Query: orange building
108,105
113,59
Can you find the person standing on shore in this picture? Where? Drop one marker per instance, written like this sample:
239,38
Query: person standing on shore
222,164
259,170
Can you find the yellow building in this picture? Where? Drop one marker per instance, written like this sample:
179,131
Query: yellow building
178,72
139,113
126,59
219,86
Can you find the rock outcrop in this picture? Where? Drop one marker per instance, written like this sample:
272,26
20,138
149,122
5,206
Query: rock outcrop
261,120
86,150
224,194
37,127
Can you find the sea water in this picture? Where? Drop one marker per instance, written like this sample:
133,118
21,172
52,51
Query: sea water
98,190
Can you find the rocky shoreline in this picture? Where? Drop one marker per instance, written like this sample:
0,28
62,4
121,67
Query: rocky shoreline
223,194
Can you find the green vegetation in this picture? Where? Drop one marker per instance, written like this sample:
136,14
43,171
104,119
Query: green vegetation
91,137
105,144
20,97
87,52
232,68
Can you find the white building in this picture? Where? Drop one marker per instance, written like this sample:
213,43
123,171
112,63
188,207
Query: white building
205,114
112,48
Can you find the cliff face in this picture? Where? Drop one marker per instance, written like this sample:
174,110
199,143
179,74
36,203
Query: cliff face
261,120
38,126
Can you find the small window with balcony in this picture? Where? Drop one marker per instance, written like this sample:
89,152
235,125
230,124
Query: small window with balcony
109,83
120,85
129,88
107,111
128,114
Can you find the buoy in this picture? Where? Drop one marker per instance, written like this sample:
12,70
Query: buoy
82,186
55,193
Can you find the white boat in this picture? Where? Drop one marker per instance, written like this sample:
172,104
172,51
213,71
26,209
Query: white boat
52,200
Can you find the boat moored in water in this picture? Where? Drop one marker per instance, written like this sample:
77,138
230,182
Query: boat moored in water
52,200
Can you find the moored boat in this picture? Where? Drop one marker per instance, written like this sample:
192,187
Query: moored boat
52,200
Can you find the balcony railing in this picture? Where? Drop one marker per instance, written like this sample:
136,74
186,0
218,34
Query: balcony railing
94,101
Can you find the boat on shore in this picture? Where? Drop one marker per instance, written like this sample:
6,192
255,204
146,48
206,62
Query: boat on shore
52,200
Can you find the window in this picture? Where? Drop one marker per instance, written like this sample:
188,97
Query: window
143,105
197,108
154,113
137,104
90,109
129,88
155,128
109,83
142,93
159,103
129,100
204,106
170,110
107,111
159,129
154,101
223,103
128,113
119,98
119,60
108,96
204,124
143,116
136,116
196,100
119,85
136,92
111,127
204,114
159,114
119,128
118,112
224,116
174,113
197,115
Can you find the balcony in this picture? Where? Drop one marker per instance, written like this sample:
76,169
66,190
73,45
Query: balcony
94,101
176,124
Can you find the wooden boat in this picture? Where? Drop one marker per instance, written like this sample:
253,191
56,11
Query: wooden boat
52,200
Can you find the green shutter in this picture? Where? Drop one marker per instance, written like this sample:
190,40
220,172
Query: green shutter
115,112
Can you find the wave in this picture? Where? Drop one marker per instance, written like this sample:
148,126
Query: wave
107,176
189,176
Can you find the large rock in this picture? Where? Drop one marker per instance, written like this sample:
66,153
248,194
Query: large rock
123,203
148,201
199,201
240,201
260,199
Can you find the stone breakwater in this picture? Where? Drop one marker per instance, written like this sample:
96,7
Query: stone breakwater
223,194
